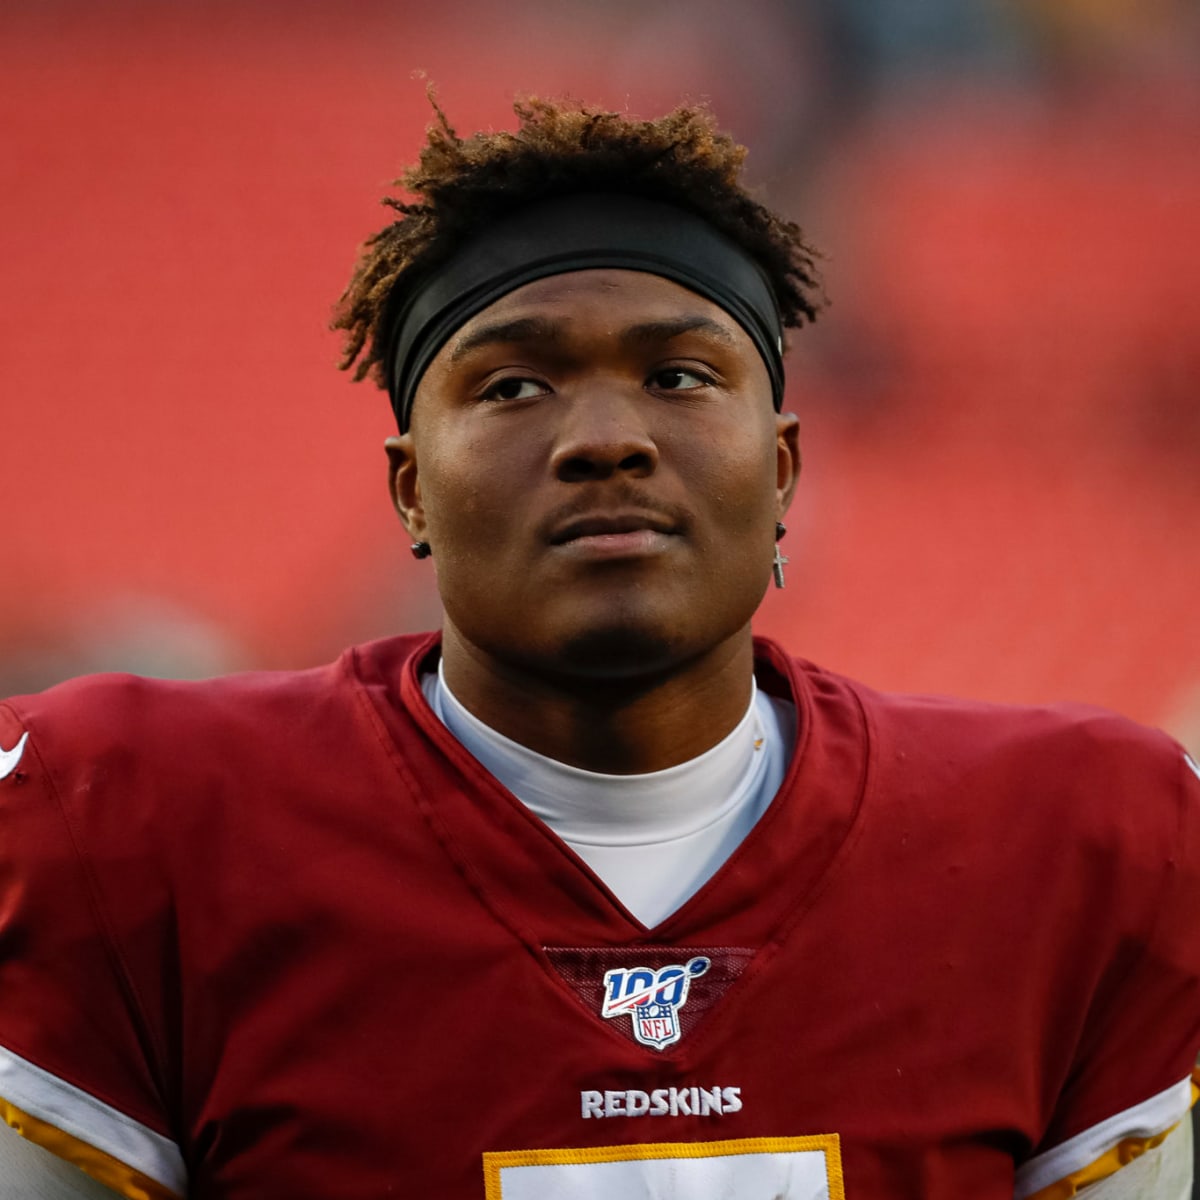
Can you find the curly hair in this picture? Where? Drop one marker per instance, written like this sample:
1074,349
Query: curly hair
459,186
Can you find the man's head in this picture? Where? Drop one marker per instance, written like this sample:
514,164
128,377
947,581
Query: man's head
460,187
591,447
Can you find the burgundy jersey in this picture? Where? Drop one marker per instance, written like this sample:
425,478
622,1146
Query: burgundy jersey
279,935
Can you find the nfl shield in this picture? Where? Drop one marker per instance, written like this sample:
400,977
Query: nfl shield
651,998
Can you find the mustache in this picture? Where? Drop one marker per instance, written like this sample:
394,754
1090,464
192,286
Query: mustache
609,497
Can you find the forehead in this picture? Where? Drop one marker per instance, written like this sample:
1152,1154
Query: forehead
614,297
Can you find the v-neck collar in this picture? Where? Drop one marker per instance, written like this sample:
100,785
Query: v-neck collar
539,888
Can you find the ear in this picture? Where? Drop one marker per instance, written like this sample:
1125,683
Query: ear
404,485
787,460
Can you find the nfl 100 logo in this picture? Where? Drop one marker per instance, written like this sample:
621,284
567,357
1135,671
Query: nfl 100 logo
652,999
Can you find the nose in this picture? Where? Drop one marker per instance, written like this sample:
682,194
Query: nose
603,434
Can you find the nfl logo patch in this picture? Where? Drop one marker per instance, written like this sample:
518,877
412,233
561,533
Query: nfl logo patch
651,998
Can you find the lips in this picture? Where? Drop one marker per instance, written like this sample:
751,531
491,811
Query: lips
599,525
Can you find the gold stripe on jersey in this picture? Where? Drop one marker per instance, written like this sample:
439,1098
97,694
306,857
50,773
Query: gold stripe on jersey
1109,1163
63,1118
494,1161
1102,1149
111,1172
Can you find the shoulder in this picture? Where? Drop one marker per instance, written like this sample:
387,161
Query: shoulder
1033,750
1034,780
965,735
95,719
1068,762
1071,789
158,737
117,707
1064,745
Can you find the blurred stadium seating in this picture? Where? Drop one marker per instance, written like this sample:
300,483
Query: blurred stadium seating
1002,488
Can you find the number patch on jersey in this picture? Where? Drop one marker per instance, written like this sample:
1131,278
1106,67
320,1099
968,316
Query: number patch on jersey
804,1168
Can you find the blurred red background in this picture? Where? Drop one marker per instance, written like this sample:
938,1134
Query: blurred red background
1001,408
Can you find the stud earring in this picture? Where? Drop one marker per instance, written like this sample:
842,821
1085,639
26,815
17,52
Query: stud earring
421,549
780,562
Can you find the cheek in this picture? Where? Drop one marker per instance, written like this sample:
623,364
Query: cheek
738,477
470,491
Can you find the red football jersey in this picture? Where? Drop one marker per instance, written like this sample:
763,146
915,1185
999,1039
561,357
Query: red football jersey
279,935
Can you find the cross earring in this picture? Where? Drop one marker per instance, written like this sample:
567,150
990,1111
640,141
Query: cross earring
780,562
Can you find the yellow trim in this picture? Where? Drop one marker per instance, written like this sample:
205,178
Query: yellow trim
120,1177
828,1143
1109,1163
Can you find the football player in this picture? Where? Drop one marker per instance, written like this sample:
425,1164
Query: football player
590,893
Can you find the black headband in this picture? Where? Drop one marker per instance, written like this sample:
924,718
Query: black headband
575,233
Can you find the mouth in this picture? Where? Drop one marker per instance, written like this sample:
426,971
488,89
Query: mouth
615,535
600,525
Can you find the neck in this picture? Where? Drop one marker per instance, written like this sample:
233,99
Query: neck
627,726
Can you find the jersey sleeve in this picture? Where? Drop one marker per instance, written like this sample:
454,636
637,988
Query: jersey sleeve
78,1074
1161,1173
1133,1076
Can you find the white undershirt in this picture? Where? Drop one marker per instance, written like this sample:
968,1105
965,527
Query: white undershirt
654,839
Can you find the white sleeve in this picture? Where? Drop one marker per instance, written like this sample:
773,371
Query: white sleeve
29,1172
1164,1173
1062,1170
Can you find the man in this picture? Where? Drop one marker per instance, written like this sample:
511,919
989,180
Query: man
590,895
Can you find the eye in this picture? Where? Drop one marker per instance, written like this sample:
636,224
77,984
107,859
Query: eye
513,387
677,379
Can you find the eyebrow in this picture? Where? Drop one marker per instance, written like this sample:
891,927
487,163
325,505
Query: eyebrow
543,329
524,329
664,331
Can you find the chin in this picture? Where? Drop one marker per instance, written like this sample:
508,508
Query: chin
620,652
